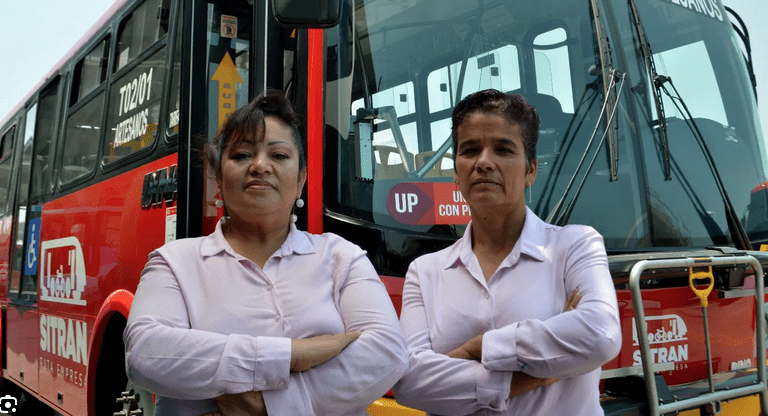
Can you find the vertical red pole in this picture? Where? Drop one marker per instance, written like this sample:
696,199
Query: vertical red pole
315,130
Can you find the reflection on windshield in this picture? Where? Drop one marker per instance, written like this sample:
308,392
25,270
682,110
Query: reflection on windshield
709,75
410,63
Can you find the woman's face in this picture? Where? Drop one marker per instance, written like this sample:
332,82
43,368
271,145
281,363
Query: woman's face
260,180
491,169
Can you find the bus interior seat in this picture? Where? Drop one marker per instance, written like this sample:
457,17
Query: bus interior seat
553,125
389,164
729,149
438,170
550,111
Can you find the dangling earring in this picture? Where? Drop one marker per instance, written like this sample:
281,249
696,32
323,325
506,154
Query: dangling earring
530,198
219,203
299,204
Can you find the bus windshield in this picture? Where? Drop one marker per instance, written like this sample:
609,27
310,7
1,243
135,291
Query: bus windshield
395,72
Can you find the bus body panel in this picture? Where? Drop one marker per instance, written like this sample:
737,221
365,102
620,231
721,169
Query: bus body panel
118,302
676,333
115,235
62,350
21,345
6,225
106,227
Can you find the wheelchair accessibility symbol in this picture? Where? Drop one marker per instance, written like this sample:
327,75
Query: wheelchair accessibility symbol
33,243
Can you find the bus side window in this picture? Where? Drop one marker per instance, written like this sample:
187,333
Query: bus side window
81,138
135,94
23,208
144,26
6,158
44,133
90,72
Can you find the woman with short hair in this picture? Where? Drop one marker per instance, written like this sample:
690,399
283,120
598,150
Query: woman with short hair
517,316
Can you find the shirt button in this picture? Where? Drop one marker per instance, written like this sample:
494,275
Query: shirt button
277,318
487,295
269,288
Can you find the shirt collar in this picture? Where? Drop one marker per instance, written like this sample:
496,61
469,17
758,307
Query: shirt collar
532,238
296,242
531,243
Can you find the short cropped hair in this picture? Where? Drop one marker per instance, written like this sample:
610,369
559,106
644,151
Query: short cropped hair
513,107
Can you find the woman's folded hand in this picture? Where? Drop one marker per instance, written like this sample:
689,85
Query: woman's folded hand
250,403
309,352
523,383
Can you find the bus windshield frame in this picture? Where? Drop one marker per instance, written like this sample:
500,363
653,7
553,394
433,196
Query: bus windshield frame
388,146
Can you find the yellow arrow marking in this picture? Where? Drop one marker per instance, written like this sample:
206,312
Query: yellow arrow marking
228,78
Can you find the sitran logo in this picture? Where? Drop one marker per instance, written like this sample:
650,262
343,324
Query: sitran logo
662,329
62,271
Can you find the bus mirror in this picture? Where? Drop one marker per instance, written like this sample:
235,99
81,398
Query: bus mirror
307,14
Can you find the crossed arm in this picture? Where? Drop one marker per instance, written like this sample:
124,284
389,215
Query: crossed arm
568,344
298,376
305,354
521,382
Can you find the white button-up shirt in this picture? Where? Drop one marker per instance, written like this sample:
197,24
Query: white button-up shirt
447,301
206,321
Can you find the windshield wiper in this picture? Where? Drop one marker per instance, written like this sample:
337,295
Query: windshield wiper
562,218
654,76
610,101
569,137
567,211
738,235
607,74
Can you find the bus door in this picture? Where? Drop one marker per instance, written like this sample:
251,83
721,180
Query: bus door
21,314
220,78
22,330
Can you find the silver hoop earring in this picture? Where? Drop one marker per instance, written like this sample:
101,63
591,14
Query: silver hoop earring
299,203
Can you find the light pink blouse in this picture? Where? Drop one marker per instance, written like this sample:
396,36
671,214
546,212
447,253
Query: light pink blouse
207,321
446,301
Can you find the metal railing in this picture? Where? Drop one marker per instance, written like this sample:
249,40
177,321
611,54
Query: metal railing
655,408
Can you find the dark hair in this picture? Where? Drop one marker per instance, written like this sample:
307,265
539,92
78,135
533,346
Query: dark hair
511,106
247,122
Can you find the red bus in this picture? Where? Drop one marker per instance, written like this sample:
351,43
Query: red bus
649,134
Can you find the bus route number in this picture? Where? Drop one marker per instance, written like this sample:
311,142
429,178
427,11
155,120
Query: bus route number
135,92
